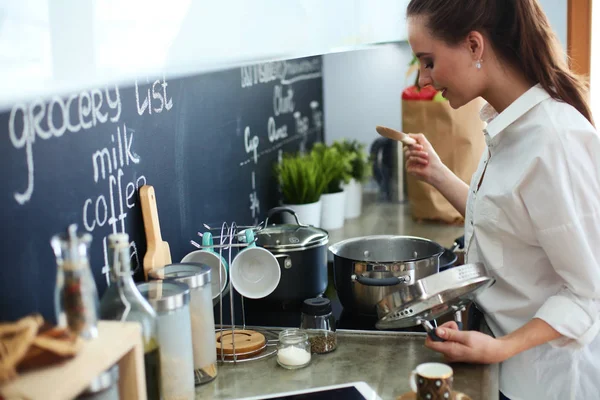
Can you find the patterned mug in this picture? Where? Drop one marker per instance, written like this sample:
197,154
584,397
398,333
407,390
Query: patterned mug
432,381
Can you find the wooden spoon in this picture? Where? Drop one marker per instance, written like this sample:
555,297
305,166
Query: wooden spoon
158,253
395,135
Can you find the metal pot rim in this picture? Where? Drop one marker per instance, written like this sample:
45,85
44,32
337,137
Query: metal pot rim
336,247
321,237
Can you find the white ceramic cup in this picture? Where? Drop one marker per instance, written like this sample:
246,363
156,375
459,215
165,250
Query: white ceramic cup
254,271
216,262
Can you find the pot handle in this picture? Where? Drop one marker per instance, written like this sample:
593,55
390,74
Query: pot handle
431,331
381,282
277,210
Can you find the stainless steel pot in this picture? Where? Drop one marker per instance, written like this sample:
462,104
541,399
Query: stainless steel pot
302,254
368,268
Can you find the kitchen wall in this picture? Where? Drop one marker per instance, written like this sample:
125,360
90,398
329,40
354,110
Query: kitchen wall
362,88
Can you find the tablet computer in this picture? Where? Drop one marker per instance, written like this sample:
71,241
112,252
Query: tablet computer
347,391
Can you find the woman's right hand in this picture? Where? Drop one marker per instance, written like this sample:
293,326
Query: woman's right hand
422,161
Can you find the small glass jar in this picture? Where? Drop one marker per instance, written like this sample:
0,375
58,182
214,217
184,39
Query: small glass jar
319,323
293,350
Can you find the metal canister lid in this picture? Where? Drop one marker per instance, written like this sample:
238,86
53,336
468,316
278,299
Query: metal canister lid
165,295
192,274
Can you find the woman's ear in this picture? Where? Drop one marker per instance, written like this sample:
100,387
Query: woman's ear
475,44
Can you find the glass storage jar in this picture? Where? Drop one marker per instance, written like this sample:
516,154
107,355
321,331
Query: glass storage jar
75,297
318,322
198,278
122,301
171,301
293,350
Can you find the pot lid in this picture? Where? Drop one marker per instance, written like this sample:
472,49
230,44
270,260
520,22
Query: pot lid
289,236
433,296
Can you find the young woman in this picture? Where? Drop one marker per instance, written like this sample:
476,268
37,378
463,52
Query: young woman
532,210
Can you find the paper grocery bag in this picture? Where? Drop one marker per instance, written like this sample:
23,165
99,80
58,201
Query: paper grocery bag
457,137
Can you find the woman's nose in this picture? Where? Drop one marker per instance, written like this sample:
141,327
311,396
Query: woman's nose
424,80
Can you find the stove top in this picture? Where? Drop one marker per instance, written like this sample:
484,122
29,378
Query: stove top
260,313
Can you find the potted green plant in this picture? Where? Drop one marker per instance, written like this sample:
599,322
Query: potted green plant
335,166
361,171
301,185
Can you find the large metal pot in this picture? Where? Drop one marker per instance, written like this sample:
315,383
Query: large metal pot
368,268
302,254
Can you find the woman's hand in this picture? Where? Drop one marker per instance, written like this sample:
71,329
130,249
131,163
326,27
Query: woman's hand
468,346
422,161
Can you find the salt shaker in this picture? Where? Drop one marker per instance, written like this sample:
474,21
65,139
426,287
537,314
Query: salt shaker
319,323
293,350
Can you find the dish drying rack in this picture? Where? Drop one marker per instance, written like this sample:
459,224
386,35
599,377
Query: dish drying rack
230,238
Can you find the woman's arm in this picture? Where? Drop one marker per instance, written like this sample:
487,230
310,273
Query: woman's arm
476,347
453,189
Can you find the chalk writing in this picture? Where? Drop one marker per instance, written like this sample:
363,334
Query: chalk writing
54,118
283,104
155,98
251,144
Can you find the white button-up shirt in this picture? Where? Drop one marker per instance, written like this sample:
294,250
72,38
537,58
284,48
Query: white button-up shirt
535,224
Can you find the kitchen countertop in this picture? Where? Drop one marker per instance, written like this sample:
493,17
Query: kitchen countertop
384,360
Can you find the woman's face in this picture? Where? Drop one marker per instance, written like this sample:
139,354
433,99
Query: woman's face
447,68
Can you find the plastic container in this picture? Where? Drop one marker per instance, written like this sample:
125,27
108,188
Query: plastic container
293,350
171,301
198,278
318,322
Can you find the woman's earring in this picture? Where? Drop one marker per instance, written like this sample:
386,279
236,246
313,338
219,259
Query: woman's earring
478,64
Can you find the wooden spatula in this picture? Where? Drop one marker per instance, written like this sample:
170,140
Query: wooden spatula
395,135
158,253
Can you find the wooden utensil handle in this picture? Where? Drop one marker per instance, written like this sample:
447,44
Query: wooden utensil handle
150,213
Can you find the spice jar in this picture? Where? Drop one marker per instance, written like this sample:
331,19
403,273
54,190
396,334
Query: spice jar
198,278
293,350
319,323
171,301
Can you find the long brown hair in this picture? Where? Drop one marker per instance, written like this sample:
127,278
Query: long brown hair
519,32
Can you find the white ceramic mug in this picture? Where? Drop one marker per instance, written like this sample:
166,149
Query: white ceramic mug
216,263
254,271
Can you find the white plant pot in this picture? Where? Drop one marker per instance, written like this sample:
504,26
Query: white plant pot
332,215
308,214
354,192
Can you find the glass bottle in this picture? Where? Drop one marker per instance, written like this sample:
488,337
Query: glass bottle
293,349
75,294
319,323
122,301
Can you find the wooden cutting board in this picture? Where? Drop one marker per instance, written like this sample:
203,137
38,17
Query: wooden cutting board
158,253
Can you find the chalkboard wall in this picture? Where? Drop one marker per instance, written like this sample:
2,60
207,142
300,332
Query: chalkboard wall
206,143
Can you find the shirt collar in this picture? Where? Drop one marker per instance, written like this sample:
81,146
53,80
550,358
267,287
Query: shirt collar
496,123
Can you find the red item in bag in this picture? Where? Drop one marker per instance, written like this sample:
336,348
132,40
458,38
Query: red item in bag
414,93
